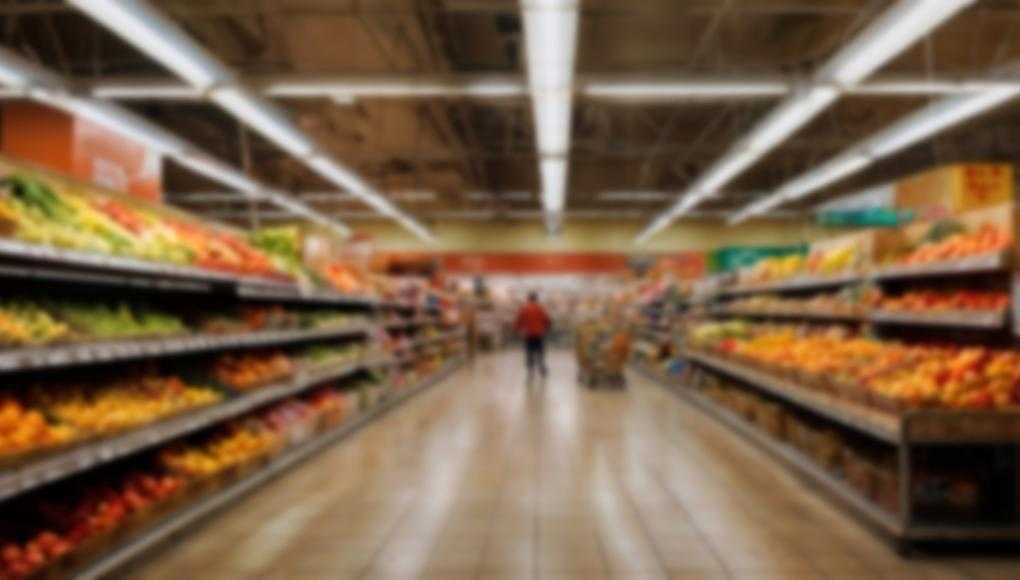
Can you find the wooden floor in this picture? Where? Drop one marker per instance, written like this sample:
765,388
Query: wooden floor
484,478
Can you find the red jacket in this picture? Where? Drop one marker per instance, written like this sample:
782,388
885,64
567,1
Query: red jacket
533,321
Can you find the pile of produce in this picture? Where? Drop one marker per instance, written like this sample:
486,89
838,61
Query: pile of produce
98,321
949,240
36,537
24,323
889,371
50,214
24,430
847,302
943,301
233,444
244,371
113,404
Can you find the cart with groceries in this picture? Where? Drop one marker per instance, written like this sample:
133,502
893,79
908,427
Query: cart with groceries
602,350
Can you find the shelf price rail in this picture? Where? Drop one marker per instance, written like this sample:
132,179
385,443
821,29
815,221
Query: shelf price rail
905,432
83,353
34,473
160,531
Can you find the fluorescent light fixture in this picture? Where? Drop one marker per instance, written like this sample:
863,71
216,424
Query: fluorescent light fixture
148,90
220,172
144,28
790,116
333,172
554,183
115,118
635,196
891,33
682,89
352,88
934,118
894,31
829,172
265,118
552,112
914,128
550,37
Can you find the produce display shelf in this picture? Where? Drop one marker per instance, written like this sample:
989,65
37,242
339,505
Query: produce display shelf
36,253
956,318
294,293
803,315
795,284
985,263
804,466
92,278
881,425
61,464
194,513
50,357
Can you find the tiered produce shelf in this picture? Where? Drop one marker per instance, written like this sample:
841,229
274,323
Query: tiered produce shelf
138,544
52,357
59,464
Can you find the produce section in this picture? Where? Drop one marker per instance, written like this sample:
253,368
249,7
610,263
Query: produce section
871,364
128,413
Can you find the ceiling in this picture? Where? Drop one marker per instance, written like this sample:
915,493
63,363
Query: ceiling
474,157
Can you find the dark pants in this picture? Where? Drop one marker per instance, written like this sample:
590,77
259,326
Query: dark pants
534,354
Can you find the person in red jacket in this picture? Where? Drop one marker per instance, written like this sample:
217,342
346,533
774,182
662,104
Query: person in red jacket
533,324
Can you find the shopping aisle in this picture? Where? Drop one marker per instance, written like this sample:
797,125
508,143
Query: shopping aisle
485,478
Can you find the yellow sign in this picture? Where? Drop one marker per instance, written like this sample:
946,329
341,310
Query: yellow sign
955,189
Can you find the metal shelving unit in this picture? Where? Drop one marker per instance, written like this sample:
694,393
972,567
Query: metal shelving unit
174,523
75,354
60,464
906,433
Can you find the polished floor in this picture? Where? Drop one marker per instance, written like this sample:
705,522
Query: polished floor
484,478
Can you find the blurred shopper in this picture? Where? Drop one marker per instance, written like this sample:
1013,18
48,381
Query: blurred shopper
533,324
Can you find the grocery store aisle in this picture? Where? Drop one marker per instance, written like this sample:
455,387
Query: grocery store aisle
484,478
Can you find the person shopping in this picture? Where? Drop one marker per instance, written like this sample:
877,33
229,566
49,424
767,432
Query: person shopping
533,324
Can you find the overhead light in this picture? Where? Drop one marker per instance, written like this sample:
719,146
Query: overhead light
157,37
554,182
793,114
264,118
894,31
220,172
915,127
935,118
343,100
635,196
829,172
352,88
140,91
679,89
879,42
550,36
552,112
114,118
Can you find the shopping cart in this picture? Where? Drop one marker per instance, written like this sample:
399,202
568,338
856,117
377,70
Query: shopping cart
602,352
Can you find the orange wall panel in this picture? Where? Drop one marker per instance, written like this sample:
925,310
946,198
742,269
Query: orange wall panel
81,149
37,134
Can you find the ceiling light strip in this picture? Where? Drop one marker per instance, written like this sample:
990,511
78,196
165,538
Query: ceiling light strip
47,88
910,130
607,87
893,31
142,26
550,35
